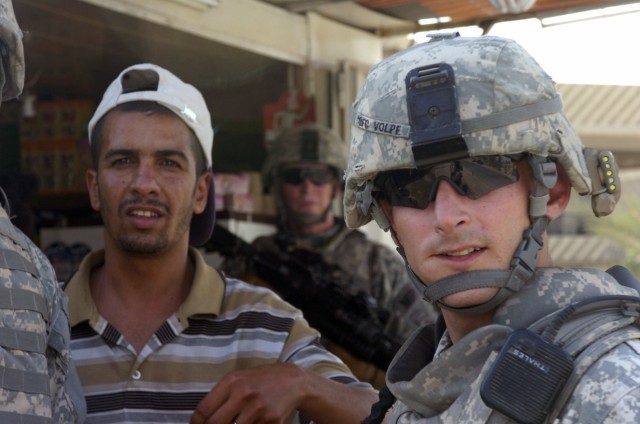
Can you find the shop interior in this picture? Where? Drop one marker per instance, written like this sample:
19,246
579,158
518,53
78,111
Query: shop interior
73,51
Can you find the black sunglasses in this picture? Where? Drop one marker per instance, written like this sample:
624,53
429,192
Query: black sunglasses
317,176
417,188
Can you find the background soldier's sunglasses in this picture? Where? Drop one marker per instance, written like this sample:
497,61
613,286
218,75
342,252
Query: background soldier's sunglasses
317,176
416,188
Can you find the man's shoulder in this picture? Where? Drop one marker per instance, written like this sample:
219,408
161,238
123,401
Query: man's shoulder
240,293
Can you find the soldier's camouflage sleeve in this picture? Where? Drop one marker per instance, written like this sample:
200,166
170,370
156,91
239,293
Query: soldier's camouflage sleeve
604,342
38,383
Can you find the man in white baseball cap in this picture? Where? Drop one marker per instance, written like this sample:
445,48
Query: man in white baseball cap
151,83
159,335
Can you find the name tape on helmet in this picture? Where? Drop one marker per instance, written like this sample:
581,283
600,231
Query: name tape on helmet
494,120
382,127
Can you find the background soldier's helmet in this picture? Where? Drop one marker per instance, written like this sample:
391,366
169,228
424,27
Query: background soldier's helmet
461,97
11,52
305,143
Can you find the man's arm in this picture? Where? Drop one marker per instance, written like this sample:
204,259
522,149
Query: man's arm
271,393
307,379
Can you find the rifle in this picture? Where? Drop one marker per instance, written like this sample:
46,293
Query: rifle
303,279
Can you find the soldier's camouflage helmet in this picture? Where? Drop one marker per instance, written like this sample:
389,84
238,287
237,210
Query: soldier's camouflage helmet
309,142
11,52
467,97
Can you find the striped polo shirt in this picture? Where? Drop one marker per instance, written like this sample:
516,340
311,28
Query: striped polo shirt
223,325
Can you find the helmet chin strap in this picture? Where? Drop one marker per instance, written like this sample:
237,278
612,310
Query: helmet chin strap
523,262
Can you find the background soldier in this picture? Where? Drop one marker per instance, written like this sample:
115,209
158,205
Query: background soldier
38,383
481,160
303,171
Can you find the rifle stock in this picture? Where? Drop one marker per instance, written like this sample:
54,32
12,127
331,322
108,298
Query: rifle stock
348,320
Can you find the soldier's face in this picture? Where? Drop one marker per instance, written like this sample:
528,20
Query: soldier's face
307,190
455,234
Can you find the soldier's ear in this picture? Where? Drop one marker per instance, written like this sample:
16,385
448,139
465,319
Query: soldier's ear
388,213
559,195
386,208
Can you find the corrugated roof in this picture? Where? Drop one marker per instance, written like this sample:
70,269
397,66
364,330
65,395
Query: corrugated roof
602,107
583,250
606,117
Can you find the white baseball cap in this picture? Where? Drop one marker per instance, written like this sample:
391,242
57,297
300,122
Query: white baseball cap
151,83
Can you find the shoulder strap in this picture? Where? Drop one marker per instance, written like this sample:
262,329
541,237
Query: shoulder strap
592,342
583,362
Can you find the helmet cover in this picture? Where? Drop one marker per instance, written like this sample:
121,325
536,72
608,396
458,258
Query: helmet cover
506,105
305,143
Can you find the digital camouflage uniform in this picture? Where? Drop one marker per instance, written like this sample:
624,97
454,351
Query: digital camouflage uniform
447,389
503,104
38,382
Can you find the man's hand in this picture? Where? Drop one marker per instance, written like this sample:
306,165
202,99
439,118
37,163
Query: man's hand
267,395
